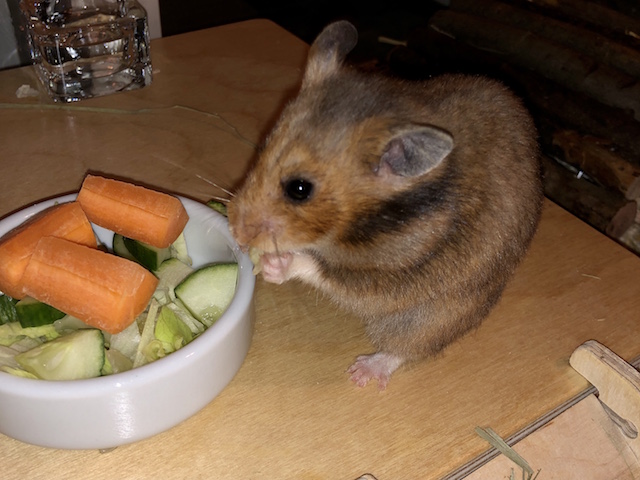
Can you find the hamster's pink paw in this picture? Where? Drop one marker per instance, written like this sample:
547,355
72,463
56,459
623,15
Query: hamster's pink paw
378,366
278,268
275,268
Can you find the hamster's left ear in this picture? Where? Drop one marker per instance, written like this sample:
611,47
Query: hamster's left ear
415,151
329,50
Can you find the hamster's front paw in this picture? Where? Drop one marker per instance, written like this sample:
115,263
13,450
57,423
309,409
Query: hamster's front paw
280,267
378,366
275,267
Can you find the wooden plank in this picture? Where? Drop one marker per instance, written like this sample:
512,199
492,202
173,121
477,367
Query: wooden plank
574,445
559,63
590,42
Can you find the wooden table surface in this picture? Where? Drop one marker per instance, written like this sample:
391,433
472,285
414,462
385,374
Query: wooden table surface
291,411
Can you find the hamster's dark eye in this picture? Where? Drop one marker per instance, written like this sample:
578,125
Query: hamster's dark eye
298,190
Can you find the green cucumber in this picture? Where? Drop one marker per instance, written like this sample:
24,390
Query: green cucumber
7,310
75,356
120,249
208,291
148,256
33,313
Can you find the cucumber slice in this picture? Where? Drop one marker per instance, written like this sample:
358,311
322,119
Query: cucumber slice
8,312
74,356
33,313
120,249
208,291
148,256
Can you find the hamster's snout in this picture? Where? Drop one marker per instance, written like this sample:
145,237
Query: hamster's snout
251,229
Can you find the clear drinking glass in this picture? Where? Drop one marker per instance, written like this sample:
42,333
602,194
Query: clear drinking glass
88,48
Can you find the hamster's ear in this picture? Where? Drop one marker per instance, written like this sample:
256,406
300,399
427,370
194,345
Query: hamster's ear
329,50
416,151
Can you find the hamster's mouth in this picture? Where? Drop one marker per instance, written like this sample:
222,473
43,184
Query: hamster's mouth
269,260
274,267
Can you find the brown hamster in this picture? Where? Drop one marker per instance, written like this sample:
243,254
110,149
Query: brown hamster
410,204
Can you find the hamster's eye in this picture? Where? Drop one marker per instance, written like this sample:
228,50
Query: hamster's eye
298,189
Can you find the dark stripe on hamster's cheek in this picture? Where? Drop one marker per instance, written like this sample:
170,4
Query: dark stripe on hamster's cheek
423,200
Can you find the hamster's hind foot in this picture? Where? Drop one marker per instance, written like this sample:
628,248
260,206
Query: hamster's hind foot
378,366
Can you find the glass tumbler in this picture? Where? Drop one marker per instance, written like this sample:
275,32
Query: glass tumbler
88,48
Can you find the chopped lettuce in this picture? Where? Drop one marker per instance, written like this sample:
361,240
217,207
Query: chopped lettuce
171,331
147,334
13,332
126,342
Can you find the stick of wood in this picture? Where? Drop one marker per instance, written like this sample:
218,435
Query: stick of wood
594,14
579,112
556,62
595,45
596,157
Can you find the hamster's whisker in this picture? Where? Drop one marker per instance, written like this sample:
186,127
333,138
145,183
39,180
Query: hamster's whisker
221,199
212,183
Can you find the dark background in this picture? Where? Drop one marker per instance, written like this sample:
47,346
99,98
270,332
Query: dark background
373,18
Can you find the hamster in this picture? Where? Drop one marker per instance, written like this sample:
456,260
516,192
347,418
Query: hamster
407,203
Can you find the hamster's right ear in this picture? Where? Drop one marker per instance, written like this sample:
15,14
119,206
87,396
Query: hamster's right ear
329,50
415,151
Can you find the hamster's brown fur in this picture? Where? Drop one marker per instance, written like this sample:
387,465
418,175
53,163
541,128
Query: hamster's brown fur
410,204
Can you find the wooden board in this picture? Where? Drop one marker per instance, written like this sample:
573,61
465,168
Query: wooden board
574,445
291,411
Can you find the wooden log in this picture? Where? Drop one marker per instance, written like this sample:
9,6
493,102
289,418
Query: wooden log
633,192
594,14
631,238
591,203
431,52
553,61
598,158
622,220
594,45
575,111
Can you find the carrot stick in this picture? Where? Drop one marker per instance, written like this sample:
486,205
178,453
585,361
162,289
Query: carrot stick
103,290
66,221
133,211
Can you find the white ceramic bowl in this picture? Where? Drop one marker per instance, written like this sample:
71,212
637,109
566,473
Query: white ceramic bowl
105,412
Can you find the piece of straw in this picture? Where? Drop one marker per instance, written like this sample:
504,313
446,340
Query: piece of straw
499,444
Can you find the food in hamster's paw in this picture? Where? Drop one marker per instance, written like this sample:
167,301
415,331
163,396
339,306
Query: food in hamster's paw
255,255
378,366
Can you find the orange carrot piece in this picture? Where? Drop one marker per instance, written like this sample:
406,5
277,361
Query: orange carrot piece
136,212
65,221
101,289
